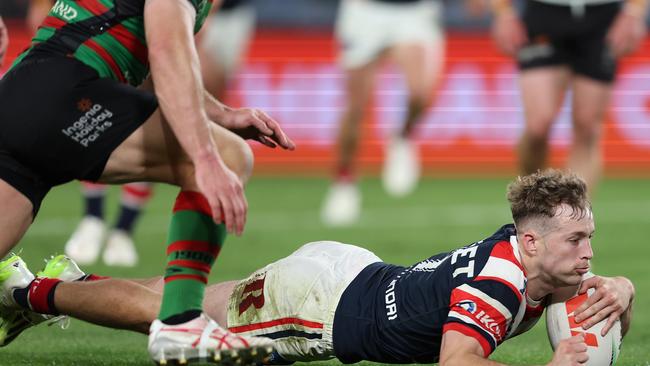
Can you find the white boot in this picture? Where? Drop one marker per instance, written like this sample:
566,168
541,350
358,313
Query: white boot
201,340
401,167
120,250
342,205
86,241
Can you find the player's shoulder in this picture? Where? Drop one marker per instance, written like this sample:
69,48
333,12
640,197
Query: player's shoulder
502,261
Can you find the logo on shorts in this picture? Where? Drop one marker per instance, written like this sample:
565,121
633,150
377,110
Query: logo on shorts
84,104
92,124
253,294
539,48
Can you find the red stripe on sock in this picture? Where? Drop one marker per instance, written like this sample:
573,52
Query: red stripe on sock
190,264
195,246
186,277
139,191
192,201
39,292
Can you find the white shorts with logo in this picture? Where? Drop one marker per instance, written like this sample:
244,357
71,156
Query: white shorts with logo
293,300
365,28
228,35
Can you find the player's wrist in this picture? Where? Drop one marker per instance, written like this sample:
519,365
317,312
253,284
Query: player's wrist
206,155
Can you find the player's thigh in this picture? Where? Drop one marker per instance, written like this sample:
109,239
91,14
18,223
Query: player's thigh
18,217
542,91
422,65
359,84
590,101
416,44
227,37
153,153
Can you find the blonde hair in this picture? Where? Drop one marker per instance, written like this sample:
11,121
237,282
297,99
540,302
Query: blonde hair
540,194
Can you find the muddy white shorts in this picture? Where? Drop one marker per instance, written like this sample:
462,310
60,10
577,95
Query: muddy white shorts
294,299
365,28
228,35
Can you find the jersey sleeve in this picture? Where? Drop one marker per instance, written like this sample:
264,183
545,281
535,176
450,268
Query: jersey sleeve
484,308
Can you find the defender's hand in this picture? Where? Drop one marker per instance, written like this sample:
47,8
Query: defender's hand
611,299
508,32
4,41
255,124
626,33
570,352
223,190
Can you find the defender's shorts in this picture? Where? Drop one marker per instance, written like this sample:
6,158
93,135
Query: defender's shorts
558,37
59,121
228,35
365,28
294,299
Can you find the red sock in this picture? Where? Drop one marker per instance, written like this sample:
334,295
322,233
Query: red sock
41,295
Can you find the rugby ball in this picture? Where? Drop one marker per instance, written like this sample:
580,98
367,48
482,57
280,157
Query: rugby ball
560,324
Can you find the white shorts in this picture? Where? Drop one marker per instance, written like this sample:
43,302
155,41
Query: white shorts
365,28
294,299
228,34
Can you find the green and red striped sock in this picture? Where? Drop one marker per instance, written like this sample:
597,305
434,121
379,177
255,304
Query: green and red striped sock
194,243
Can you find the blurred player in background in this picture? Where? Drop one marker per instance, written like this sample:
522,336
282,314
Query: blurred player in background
328,299
87,241
224,42
563,45
408,33
4,41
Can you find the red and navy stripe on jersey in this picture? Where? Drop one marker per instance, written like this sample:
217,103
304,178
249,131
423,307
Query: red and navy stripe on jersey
398,314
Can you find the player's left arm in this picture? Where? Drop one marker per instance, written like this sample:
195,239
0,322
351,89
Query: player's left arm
4,41
249,123
629,28
612,300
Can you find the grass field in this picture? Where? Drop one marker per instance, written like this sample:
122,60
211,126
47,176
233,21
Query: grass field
441,215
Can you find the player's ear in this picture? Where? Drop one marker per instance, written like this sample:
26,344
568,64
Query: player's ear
530,241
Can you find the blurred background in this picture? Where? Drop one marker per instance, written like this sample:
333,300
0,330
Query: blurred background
468,141
291,71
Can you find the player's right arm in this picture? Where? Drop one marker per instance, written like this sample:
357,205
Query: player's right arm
508,30
458,349
4,41
177,81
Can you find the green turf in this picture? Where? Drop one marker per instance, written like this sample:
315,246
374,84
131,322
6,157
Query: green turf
442,214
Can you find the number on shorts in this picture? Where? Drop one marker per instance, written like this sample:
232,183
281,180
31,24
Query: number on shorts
257,301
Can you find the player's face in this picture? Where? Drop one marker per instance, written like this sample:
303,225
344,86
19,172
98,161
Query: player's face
568,248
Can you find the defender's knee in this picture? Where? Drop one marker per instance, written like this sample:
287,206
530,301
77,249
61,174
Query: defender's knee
238,156
587,128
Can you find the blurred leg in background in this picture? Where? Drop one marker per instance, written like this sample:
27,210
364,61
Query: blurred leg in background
408,35
223,43
89,237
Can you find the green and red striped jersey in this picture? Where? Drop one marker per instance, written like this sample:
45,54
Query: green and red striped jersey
107,35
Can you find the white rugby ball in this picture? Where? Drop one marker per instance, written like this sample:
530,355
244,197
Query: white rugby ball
560,324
